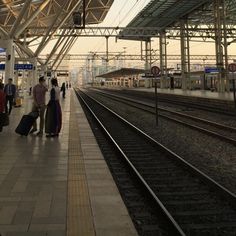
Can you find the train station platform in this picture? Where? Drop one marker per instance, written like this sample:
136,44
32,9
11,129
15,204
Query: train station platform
58,186
223,102
228,96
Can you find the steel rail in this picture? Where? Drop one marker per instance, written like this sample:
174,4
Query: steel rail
222,191
229,194
168,216
203,130
176,113
200,107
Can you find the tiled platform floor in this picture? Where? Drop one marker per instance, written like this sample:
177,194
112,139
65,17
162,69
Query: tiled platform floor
58,186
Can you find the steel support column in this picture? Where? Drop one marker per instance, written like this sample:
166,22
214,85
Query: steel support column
10,59
225,48
107,52
163,59
185,55
218,21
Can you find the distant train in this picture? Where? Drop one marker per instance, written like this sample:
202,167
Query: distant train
198,80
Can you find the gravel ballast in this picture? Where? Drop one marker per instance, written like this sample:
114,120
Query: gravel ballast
214,157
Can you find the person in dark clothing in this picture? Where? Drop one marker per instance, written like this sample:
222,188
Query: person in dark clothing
30,91
2,104
63,90
1,84
10,91
53,113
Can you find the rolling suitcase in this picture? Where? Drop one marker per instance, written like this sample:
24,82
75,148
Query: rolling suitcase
25,125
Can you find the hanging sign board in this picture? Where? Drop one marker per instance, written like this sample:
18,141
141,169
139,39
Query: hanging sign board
211,70
18,67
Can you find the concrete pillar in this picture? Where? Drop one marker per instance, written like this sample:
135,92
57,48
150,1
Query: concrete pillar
148,61
148,82
148,55
16,79
130,82
122,82
10,59
34,73
163,59
44,71
28,81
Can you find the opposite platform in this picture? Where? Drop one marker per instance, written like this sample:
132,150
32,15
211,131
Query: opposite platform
223,102
227,96
58,186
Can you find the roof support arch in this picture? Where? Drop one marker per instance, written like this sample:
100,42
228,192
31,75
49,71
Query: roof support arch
31,18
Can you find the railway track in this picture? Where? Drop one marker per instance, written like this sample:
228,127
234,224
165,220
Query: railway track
210,105
214,129
191,203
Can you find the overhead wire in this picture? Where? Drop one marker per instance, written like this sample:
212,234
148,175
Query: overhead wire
99,44
132,8
137,6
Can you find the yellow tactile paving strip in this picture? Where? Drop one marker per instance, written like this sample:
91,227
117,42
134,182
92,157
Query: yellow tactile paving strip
79,214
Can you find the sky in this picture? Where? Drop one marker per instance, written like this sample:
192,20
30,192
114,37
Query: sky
120,14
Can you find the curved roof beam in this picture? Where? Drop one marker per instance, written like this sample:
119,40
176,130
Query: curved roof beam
20,17
71,43
7,4
31,18
48,37
62,50
4,33
25,49
60,40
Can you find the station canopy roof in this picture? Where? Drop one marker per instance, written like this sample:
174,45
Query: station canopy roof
123,72
39,15
164,14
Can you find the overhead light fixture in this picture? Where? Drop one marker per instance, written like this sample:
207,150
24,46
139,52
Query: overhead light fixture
77,18
78,21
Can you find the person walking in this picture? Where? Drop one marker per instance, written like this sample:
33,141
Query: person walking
2,105
10,91
53,113
1,83
39,105
63,89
